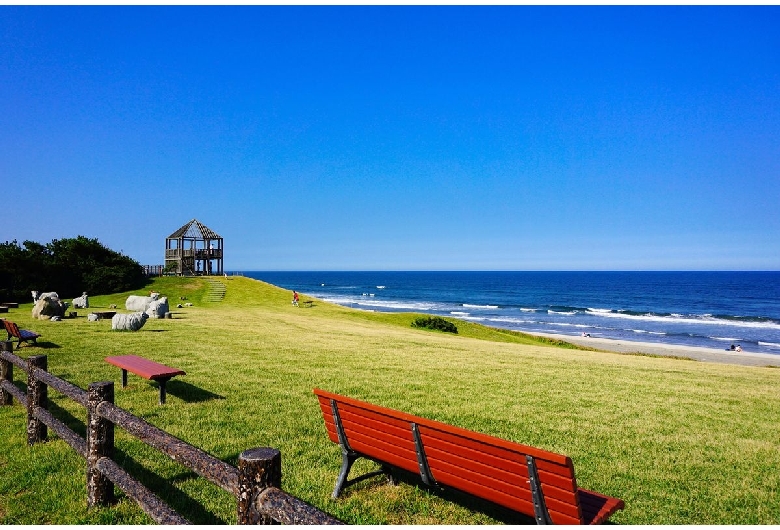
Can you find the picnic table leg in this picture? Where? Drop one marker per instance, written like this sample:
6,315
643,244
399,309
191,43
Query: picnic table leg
124,378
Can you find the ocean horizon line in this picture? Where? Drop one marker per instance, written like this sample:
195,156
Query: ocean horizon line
516,270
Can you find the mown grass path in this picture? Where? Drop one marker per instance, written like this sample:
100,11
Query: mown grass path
681,442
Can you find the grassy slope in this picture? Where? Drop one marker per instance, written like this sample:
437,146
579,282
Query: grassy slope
681,442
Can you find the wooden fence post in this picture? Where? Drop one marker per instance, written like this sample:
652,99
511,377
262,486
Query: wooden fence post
100,443
37,396
258,469
6,373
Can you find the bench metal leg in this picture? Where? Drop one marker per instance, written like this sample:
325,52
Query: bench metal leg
347,459
162,389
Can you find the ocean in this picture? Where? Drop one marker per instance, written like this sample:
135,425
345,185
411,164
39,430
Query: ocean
708,309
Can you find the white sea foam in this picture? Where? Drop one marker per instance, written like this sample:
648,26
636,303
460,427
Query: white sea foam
679,319
459,313
551,312
474,306
370,301
725,339
502,320
527,310
769,344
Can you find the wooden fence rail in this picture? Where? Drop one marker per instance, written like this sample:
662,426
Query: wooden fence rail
255,483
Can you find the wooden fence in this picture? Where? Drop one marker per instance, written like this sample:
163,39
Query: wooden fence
153,270
255,483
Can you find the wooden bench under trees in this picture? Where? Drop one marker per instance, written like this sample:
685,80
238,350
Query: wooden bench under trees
21,335
527,480
146,369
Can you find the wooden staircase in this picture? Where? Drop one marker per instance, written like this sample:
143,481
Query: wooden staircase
216,291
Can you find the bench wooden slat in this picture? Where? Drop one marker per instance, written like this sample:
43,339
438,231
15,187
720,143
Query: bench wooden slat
510,464
513,484
478,464
395,451
556,499
392,434
519,504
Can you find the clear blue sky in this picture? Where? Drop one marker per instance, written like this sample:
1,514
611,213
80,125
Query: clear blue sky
387,138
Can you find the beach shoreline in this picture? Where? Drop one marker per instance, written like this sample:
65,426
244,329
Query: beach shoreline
671,350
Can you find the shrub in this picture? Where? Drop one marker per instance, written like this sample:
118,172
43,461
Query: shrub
436,323
67,266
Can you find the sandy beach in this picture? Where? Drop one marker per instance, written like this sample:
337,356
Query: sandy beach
700,354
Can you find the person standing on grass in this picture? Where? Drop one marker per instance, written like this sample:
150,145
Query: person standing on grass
295,298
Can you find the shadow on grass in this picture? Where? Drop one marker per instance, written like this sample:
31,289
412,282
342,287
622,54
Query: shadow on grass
190,393
75,424
167,490
26,347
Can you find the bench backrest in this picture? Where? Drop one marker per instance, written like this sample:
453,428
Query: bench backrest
478,464
12,328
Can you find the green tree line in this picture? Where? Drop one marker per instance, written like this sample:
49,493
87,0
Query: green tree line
67,266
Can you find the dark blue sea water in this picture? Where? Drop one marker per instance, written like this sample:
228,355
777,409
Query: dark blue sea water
710,309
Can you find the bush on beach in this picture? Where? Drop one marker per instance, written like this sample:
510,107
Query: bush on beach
435,323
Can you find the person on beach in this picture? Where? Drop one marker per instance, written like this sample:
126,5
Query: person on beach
295,298
739,348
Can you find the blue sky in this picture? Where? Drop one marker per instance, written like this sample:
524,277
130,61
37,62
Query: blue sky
399,138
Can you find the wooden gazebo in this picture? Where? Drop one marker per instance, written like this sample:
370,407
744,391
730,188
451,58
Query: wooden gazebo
194,249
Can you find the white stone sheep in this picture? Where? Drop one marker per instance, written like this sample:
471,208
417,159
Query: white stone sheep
37,295
158,308
140,303
49,305
129,321
82,302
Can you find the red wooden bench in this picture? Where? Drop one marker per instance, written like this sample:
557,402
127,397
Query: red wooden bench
531,481
21,335
146,369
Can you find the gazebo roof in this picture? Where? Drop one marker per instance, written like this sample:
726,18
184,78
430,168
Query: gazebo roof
194,230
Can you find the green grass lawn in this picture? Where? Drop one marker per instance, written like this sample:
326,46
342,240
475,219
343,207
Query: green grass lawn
681,442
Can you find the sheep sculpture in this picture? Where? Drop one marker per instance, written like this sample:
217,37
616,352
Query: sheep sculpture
49,305
82,302
140,303
37,295
158,308
129,321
